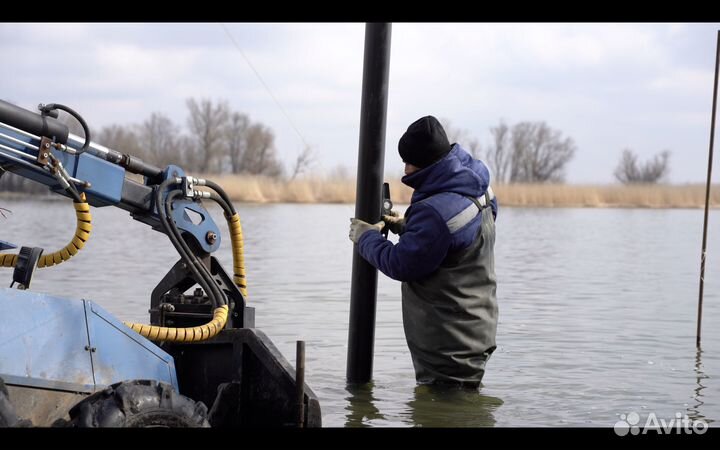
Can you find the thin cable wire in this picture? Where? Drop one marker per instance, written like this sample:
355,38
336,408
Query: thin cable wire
292,124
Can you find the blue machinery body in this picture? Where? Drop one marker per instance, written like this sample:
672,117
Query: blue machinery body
54,352
73,346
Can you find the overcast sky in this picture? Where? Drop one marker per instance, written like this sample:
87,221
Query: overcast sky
647,87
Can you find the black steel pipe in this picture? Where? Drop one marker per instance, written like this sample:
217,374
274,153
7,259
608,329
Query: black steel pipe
33,123
707,193
371,162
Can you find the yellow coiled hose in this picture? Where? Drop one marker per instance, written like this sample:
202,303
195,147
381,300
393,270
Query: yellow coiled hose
152,332
191,334
209,330
236,237
82,234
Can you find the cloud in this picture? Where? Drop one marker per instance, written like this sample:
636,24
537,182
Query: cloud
605,85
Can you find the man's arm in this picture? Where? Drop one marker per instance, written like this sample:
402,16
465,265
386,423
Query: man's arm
421,249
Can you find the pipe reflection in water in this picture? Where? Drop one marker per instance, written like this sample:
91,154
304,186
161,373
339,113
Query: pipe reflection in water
429,406
694,410
361,407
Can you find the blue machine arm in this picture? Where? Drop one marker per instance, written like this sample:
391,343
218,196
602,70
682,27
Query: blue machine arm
39,147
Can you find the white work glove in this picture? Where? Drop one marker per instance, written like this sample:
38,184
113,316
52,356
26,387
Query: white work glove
359,227
394,222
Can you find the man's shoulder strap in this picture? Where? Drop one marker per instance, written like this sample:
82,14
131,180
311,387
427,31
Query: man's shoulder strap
467,214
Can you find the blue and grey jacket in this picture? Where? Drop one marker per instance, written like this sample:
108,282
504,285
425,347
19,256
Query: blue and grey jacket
445,259
437,207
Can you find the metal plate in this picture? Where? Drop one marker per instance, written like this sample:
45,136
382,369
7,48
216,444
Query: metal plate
72,345
43,340
122,354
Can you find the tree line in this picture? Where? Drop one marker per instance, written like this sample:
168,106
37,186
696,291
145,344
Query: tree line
217,139
533,152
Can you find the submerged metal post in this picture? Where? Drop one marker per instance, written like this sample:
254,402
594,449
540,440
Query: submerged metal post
707,193
300,382
371,162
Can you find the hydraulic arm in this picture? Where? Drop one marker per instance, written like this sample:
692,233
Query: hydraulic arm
39,147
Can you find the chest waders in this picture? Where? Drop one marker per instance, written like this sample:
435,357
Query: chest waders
450,316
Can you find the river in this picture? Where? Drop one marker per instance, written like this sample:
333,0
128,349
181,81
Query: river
597,309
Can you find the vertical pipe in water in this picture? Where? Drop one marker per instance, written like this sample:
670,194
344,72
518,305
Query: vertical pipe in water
371,162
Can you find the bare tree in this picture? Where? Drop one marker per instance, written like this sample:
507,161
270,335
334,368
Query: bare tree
186,155
539,153
629,171
453,134
529,152
236,139
304,160
658,168
473,146
120,138
498,154
207,123
519,145
461,136
158,138
259,156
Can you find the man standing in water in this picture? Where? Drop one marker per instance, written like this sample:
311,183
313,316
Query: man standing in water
444,257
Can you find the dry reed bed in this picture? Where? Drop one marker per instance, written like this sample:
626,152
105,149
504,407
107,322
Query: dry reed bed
255,189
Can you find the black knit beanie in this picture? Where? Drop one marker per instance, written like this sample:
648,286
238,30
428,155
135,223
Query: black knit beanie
424,142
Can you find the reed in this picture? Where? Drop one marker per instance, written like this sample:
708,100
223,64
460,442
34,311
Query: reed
607,196
258,189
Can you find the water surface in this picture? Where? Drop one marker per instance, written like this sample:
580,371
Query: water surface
597,309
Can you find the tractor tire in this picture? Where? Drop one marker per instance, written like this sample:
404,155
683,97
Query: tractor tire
138,404
8,418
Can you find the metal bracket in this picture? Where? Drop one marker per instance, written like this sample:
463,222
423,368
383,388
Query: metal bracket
43,156
179,279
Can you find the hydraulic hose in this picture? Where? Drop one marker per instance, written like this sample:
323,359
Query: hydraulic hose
82,234
236,235
217,188
203,277
53,106
177,241
185,249
190,334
